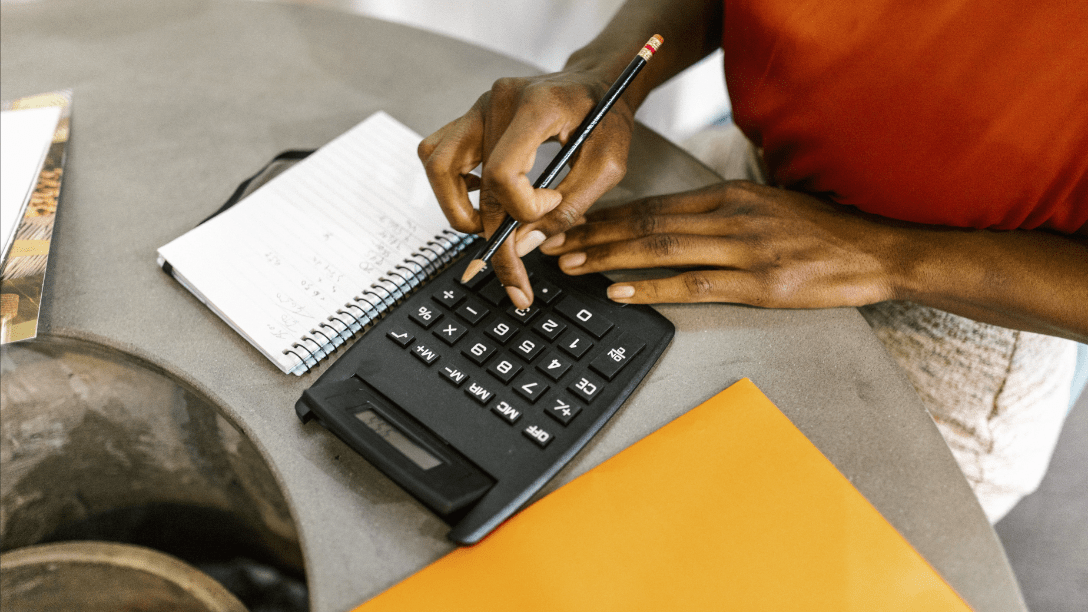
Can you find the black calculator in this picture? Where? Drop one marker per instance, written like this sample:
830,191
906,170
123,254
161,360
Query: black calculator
472,405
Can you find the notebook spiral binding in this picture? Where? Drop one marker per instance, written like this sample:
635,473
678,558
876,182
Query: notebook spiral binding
379,298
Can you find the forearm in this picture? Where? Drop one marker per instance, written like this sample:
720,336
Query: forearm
1029,280
691,29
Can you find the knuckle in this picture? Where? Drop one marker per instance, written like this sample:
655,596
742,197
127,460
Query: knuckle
540,92
426,149
504,85
698,285
743,197
663,245
645,225
498,175
489,203
504,91
739,188
653,205
778,289
612,171
564,218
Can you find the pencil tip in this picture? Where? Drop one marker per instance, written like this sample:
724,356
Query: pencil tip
473,269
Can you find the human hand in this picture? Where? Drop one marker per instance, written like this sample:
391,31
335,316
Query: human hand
502,131
749,243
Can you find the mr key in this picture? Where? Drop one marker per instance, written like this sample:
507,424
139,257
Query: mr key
506,396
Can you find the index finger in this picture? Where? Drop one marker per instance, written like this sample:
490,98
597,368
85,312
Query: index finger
448,156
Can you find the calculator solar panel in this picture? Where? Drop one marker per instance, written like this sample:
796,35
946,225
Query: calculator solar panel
472,405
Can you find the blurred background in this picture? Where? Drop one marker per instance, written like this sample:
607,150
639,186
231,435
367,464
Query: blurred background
543,33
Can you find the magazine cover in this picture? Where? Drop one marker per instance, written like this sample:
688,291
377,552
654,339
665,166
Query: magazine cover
25,265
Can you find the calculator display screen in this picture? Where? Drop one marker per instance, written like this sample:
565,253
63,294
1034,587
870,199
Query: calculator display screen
397,440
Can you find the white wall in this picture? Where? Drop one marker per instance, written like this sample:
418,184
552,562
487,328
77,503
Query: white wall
542,33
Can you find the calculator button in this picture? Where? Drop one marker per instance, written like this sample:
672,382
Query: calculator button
550,327
450,331
425,354
501,331
583,317
401,337
472,312
523,314
452,374
546,291
449,298
527,346
575,344
586,387
537,435
531,387
616,355
478,352
479,393
562,410
507,412
425,316
504,370
493,292
554,365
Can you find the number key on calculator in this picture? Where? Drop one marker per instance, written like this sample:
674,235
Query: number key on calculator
471,404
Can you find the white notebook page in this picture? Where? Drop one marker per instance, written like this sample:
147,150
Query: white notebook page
25,136
279,263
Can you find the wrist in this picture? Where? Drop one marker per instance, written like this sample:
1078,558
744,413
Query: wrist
919,269
904,254
605,68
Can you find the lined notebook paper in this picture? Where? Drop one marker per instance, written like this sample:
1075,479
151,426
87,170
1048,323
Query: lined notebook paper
320,251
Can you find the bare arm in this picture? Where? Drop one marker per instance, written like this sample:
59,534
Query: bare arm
1029,280
771,247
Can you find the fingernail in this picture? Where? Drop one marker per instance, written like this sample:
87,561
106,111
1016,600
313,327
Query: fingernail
529,241
517,296
554,242
572,260
620,292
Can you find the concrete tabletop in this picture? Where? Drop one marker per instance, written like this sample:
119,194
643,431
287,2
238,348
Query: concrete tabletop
176,102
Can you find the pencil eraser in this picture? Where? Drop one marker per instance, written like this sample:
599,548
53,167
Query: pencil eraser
651,47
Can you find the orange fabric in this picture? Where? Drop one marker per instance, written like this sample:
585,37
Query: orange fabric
729,507
969,113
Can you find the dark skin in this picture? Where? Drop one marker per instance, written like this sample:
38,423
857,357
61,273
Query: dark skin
738,242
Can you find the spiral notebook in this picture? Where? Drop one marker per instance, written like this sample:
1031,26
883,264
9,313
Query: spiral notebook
315,255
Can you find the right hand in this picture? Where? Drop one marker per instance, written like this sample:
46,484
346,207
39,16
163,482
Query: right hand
502,131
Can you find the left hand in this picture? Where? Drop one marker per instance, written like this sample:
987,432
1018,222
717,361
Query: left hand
748,243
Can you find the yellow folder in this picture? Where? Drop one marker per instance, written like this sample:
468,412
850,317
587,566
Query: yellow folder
728,507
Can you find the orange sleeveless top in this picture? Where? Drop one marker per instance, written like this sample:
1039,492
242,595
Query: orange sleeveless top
967,113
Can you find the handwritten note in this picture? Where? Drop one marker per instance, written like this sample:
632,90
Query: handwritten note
279,264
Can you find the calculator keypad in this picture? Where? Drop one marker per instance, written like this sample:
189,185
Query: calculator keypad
500,398
539,360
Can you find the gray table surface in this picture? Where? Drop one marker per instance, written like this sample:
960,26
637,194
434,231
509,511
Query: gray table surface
176,102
